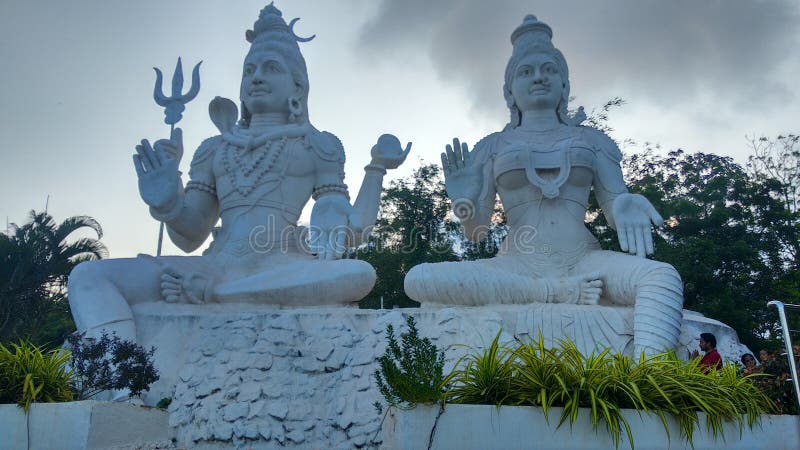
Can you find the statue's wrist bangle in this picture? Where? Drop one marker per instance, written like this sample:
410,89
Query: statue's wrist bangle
372,167
320,191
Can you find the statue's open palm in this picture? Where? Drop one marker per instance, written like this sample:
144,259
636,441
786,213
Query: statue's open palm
463,178
158,174
633,214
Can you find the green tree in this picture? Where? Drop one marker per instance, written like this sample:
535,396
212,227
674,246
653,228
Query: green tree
35,261
732,232
413,229
490,245
776,164
720,233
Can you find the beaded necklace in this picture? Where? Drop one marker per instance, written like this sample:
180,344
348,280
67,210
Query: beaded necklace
240,172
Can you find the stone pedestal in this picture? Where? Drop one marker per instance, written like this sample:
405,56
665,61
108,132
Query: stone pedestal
267,377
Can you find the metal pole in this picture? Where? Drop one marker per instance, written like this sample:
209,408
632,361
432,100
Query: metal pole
788,342
160,238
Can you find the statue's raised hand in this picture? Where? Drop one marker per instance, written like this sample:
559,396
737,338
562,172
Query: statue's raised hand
157,169
633,215
388,153
463,178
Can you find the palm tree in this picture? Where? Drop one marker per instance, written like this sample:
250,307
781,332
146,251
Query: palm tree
35,262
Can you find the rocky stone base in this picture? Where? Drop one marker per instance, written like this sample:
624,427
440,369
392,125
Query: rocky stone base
257,377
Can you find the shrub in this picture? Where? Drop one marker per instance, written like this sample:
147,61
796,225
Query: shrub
774,380
486,378
110,363
605,384
29,375
410,372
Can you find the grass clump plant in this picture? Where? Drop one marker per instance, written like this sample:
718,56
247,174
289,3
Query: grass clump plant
29,374
601,384
604,384
412,370
486,378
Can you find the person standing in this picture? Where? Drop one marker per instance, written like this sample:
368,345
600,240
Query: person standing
711,359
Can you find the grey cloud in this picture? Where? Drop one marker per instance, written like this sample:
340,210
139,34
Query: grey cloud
660,51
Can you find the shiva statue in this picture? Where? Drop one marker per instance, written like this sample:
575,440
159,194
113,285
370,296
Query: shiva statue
543,165
255,176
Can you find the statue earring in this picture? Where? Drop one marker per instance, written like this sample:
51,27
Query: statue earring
295,109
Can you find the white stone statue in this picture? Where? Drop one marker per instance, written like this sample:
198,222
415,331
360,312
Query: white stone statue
543,165
256,176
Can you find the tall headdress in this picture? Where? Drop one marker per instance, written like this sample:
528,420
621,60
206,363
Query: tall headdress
270,25
530,37
271,32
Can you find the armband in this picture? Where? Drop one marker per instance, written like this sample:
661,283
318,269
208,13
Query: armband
203,187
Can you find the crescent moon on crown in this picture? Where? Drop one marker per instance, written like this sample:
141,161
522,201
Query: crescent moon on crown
296,37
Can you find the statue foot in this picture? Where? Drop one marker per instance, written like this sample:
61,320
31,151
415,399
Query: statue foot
581,289
177,287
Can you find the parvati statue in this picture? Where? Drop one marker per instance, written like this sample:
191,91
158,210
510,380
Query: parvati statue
543,165
256,176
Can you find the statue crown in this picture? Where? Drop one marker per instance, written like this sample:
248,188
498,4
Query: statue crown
270,20
532,31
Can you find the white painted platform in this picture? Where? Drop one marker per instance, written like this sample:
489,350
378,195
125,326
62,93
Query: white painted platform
481,427
84,425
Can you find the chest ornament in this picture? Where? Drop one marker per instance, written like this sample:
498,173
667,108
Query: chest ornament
246,166
557,159
535,160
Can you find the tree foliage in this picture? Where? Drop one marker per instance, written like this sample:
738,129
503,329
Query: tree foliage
109,363
413,229
777,163
35,261
725,232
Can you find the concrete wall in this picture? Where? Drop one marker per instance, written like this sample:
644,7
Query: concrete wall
482,427
81,425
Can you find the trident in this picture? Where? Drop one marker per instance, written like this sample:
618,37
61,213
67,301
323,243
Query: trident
174,106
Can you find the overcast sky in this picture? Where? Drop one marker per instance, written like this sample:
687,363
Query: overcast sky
77,82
